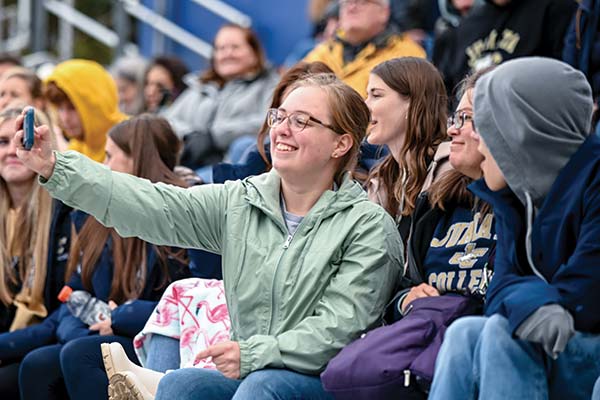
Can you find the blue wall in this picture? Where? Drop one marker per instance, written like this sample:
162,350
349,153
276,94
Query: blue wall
280,24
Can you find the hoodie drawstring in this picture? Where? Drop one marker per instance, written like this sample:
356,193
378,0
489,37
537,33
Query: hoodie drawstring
528,237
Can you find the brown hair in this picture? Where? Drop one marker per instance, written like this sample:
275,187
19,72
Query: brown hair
34,84
155,148
297,72
349,114
6,58
211,75
176,69
450,188
421,82
55,95
31,238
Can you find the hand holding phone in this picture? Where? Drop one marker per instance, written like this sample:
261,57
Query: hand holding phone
39,156
28,134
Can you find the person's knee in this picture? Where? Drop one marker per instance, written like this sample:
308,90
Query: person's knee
70,353
260,383
464,331
172,385
497,329
34,363
596,394
40,375
459,342
76,356
39,363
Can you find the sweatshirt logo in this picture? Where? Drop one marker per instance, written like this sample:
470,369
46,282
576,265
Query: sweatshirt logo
469,257
462,233
488,51
467,243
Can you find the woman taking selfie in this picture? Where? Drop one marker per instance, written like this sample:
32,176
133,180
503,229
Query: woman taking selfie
325,266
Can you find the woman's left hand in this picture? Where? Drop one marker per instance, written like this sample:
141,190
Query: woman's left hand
104,328
226,356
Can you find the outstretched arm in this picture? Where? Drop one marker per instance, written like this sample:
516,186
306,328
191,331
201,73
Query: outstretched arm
157,213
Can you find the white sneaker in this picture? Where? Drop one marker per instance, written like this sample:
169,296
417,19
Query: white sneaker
116,361
125,386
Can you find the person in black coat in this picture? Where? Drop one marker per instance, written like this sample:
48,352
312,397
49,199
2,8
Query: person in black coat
501,30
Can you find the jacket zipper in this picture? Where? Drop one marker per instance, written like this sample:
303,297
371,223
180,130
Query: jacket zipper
286,244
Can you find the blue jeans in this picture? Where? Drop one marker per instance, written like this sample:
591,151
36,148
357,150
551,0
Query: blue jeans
480,359
239,148
163,353
205,173
199,384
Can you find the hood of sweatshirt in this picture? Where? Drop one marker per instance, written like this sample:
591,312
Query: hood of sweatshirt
533,114
93,93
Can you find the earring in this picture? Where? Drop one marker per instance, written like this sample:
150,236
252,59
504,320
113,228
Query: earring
334,155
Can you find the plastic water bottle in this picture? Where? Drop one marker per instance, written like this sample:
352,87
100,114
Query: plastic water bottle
83,306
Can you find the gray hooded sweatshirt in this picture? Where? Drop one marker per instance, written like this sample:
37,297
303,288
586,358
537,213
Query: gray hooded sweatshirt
533,113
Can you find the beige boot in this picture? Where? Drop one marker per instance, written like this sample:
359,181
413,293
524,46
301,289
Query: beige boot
125,386
115,361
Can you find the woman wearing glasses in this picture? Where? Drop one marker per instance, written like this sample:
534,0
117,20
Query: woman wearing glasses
453,233
540,337
308,262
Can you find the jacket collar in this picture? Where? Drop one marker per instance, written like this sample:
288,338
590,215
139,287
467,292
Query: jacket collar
193,81
263,192
497,199
350,51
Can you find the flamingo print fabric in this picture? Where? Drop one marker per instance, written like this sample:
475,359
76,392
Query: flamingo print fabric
195,312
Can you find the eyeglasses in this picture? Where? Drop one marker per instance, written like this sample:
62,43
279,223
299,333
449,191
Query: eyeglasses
297,121
458,119
345,3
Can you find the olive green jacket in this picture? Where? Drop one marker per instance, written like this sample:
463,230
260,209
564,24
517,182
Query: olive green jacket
294,301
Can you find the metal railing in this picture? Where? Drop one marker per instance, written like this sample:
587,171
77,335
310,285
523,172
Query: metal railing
167,28
18,20
15,21
225,11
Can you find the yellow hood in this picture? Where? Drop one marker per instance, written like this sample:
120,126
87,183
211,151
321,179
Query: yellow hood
93,93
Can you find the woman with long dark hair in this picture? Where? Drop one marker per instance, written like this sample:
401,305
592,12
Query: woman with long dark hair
408,103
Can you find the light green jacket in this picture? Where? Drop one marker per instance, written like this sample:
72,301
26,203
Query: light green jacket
294,302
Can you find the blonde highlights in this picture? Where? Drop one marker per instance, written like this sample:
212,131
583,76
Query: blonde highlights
29,243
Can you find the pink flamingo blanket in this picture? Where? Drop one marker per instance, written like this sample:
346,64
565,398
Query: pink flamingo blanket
195,312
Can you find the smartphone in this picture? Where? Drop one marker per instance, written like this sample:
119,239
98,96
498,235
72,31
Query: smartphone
28,129
165,96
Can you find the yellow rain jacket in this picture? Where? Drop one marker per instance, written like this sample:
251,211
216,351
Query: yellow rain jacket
356,72
93,93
